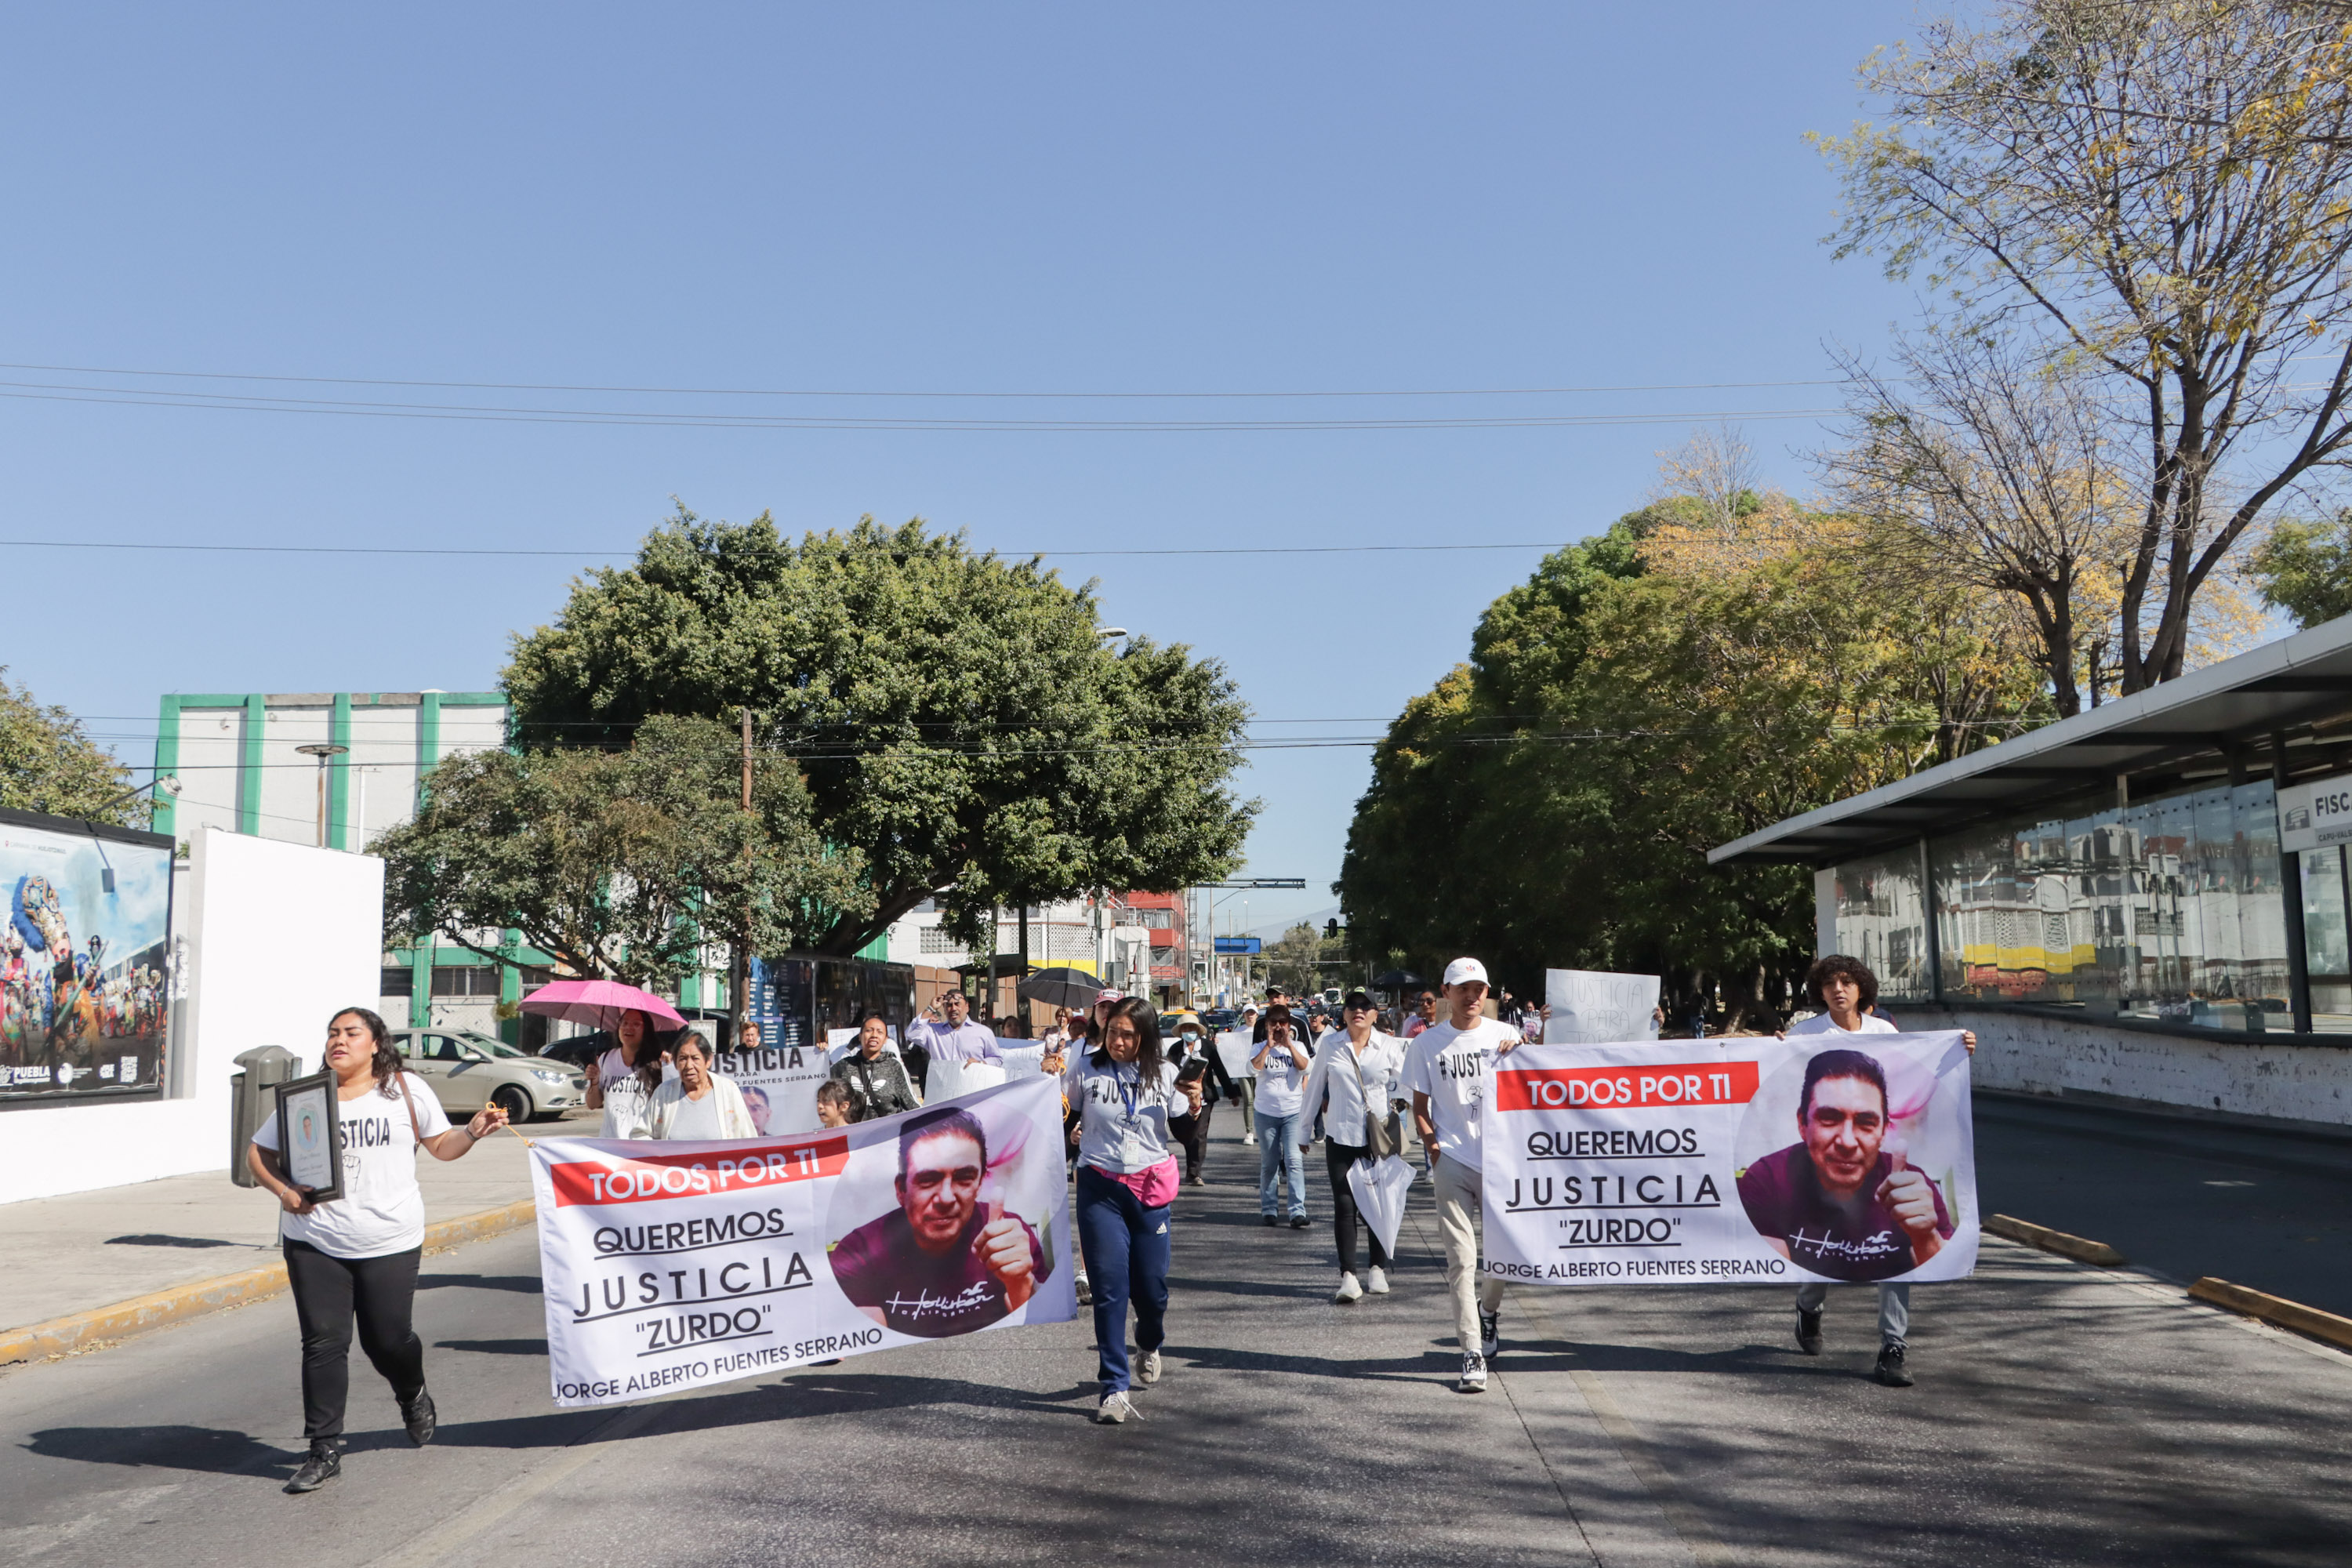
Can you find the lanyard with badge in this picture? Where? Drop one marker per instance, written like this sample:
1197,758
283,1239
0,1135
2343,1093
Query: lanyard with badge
1129,1092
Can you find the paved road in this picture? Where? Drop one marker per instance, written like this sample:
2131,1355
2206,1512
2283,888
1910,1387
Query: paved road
2064,1416
2179,1196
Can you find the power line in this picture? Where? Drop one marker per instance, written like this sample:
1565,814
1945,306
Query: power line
229,403
928,395
631,549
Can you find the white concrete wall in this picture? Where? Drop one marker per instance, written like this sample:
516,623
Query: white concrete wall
279,935
2038,1055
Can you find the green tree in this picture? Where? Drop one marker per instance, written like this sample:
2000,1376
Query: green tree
619,865
2306,569
1633,705
961,727
48,764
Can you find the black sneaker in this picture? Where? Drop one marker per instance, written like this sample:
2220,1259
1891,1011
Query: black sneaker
1270,1219
419,1417
324,1465
1809,1331
1299,1221
1890,1370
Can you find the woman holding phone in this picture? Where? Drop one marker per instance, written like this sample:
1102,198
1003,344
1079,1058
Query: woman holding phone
357,1255
1123,1093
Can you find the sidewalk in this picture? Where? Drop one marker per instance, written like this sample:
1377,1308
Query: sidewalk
93,1249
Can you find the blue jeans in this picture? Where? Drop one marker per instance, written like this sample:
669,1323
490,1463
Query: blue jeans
1125,1248
1277,1155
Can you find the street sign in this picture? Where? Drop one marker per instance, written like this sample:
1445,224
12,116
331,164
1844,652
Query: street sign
1240,945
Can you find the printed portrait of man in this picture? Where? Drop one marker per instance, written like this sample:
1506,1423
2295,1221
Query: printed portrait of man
755,1100
1837,1202
941,1262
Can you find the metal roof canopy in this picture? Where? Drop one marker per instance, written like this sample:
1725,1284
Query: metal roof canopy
2281,686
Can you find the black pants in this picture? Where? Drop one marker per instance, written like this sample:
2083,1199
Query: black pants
326,1292
1337,1158
1193,1132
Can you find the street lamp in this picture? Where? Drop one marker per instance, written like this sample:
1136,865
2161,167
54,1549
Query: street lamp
168,784
323,751
1107,632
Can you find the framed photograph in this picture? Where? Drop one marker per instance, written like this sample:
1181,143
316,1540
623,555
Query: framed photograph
310,1136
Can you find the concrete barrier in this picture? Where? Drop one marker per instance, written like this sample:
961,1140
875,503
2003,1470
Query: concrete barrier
2057,1241
2275,1310
102,1325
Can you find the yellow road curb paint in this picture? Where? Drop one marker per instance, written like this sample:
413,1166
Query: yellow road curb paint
76,1331
2074,1246
2275,1310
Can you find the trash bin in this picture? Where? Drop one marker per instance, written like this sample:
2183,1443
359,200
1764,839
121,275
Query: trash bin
253,1095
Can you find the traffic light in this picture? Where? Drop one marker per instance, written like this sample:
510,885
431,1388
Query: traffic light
1331,930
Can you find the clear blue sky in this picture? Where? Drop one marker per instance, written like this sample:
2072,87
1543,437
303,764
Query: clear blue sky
1210,199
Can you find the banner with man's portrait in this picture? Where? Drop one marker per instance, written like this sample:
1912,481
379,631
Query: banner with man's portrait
681,1265
1835,1156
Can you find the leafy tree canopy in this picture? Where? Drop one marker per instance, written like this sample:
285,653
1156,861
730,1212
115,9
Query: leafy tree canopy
620,864
1675,684
48,764
961,727
2306,569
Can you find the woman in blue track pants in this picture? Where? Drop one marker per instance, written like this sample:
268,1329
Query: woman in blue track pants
1124,1092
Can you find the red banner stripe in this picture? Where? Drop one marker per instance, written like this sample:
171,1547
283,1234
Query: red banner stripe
1647,1087
749,1168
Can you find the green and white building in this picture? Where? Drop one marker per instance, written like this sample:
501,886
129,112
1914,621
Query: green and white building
239,761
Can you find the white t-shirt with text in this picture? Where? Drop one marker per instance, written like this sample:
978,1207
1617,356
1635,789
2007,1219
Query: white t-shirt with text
628,1108
382,1210
1282,1082
1456,1068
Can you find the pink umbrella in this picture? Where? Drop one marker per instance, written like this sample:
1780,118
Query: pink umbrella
598,1002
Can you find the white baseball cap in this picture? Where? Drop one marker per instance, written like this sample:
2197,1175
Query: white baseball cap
1462,971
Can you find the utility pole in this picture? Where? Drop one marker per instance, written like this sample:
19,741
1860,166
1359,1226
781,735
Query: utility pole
738,969
322,752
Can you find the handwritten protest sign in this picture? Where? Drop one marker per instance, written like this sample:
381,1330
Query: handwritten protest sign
671,1266
1593,1008
1844,1157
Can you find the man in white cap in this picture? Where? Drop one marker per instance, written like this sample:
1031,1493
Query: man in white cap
1448,1071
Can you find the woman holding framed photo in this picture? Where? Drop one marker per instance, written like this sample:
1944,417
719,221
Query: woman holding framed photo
356,1256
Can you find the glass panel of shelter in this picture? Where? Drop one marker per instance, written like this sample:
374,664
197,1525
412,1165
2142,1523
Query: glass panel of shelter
2169,909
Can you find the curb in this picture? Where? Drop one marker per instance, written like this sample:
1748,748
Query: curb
2275,1310
2057,1241
86,1330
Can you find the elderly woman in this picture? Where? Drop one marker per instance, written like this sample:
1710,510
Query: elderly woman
699,1105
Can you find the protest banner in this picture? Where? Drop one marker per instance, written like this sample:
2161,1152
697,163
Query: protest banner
672,1266
1816,1157
779,1084
1593,1007
947,1079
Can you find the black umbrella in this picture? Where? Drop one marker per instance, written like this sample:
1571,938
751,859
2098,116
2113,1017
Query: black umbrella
580,1050
1397,979
1071,988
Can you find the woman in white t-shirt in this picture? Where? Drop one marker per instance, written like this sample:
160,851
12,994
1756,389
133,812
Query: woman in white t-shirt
1847,992
623,1083
1280,1068
357,1255
1123,1093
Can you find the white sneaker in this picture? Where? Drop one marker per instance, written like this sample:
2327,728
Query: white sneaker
1348,1290
1377,1282
1249,1137
1147,1368
1085,1291
1490,1334
1113,1409
1473,1374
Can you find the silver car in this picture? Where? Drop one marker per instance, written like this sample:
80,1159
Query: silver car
468,1069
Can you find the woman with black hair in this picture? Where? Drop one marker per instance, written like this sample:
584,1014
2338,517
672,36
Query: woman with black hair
1847,992
1123,1094
623,1081
357,1255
